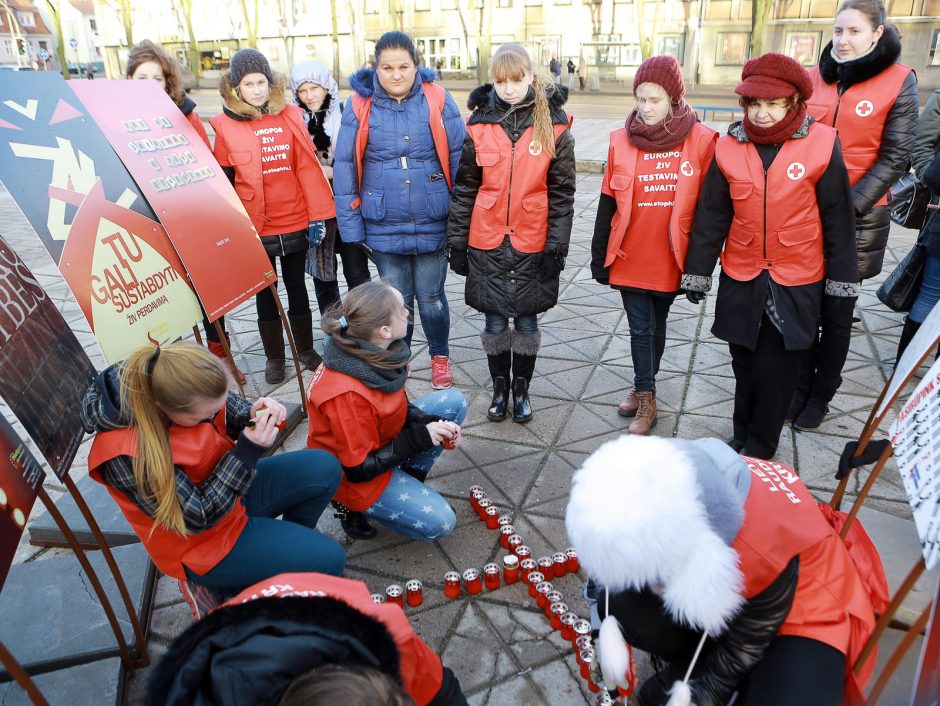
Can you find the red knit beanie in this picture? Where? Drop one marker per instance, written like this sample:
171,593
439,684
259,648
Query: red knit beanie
771,76
663,71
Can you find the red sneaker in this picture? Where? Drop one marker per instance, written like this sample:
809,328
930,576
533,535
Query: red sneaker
441,375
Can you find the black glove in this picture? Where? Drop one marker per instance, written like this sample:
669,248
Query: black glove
601,275
459,262
552,262
695,297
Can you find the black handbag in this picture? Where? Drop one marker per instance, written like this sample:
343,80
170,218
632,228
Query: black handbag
909,201
900,289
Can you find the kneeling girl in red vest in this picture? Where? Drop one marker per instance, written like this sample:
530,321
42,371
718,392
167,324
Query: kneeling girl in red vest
655,166
360,412
303,639
510,219
776,206
182,457
725,567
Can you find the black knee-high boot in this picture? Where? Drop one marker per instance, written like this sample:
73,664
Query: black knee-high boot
525,350
497,347
907,333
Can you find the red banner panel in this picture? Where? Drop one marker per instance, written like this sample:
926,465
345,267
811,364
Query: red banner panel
20,478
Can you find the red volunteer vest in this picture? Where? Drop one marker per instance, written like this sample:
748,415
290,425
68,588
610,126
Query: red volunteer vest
621,163
197,450
513,196
390,410
436,97
421,669
782,520
244,154
776,224
859,115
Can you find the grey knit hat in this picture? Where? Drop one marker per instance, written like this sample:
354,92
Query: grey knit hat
249,61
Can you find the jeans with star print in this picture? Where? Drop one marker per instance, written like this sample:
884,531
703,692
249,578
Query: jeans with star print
408,506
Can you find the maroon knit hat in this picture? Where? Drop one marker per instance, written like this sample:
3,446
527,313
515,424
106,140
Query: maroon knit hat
771,76
663,71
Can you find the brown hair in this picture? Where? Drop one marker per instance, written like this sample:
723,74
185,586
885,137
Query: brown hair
366,307
145,51
874,10
349,685
176,377
511,62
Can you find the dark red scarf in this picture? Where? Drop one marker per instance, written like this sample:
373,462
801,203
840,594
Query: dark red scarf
775,134
664,135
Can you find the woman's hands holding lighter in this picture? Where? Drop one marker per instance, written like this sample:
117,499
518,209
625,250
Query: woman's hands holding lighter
444,432
266,416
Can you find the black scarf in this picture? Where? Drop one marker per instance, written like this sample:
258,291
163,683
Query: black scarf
315,126
379,379
848,73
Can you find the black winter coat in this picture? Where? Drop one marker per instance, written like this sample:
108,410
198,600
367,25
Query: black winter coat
897,142
504,281
931,234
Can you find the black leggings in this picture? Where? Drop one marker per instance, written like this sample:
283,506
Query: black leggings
796,670
293,278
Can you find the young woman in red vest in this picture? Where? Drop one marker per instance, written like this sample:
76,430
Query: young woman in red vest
777,207
510,220
263,146
726,568
182,457
655,167
151,62
862,90
359,412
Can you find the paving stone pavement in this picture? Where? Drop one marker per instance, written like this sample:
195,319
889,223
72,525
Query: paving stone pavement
499,643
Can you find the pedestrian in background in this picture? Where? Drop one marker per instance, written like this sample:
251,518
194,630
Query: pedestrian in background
582,71
510,221
316,93
862,90
776,206
396,159
263,146
655,167
571,70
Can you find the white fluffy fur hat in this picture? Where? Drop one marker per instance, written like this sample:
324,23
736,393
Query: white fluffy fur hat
647,511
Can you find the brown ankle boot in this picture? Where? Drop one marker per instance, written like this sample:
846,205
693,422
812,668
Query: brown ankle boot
645,418
629,406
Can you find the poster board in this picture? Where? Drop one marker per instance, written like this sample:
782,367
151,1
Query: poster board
20,478
923,342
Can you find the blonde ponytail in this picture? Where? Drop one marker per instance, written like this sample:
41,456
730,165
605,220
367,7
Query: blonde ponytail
176,377
543,131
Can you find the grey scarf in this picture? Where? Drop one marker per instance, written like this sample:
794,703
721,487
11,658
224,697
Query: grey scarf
379,379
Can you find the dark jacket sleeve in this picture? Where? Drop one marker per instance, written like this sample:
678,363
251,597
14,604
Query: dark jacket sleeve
413,439
932,174
834,197
606,208
562,177
928,136
894,154
713,217
469,178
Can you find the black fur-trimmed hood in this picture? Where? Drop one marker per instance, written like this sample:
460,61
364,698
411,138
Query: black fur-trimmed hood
488,108
885,54
247,654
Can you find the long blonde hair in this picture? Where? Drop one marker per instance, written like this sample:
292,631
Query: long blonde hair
510,63
176,377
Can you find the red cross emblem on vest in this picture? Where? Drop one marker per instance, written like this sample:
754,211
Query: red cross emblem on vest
796,171
864,108
687,169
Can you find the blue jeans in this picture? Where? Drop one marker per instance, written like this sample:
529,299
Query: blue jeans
929,292
297,485
497,323
422,277
646,315
408,506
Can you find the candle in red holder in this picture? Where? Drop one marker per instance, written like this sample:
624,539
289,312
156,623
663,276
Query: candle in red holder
572,563
414,592
505,532
534,578
567,626
557,610
475,488
547,566
586,658
582,642
394,594
604,699
481,507
491,517
582,628
560,560
541,593
554,596
378,598
475,497
514,540
505,519
452,584
592,687
510,569
471,577
523,552
491,576
527,566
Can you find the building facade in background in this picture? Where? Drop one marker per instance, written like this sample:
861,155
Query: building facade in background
25,40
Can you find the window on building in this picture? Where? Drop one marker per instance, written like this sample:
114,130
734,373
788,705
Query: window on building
92,24
373,7
718,10
788,9
671,45
422,5
26,19
503,3
901,8
439,53
935,49
733,48
43,44
931,8
9,47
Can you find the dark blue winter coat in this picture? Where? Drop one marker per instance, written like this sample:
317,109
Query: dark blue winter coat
403,211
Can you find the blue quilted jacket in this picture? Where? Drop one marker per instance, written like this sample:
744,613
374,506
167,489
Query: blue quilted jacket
404,201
